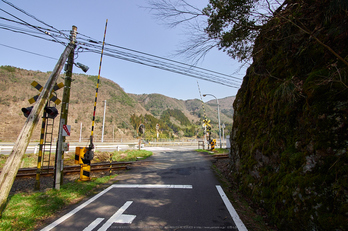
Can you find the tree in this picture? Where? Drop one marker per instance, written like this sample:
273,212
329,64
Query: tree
236,23
233,25
229,25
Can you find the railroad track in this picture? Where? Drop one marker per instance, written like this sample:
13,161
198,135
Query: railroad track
74,169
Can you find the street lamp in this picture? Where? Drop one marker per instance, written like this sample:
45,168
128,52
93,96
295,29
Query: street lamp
218,115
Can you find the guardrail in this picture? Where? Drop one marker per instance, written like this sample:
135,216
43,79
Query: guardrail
35,148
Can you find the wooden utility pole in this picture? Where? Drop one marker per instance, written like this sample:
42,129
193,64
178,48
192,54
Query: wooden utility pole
58,179
9,172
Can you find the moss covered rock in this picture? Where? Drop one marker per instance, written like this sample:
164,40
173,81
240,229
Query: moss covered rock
290,134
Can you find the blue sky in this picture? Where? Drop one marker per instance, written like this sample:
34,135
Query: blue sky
129,26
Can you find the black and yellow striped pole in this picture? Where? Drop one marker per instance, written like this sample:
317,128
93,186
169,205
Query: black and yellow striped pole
96,90
89,154
39,158
207,126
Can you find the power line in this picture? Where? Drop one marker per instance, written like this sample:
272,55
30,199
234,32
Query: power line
28,51
91,40
159,63
26,13
89,44
29,25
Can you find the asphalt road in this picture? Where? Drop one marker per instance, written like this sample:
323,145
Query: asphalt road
174,190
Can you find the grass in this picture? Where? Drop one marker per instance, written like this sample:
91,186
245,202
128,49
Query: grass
25,210
29,160
216,151
130,155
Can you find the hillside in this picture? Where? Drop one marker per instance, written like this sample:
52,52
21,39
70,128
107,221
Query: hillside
225,105
290,132
16,89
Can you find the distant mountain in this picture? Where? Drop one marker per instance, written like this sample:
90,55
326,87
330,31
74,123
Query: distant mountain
225,104
16,89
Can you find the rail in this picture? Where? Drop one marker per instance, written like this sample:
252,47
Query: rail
74,169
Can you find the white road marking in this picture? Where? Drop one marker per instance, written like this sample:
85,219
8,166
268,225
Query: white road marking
66,216
93,224
119,217
157,149
71,213
152,186
239,223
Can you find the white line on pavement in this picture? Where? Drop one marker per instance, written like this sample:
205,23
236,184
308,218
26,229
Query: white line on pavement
239,223
71,213
66,216
94,224
152,186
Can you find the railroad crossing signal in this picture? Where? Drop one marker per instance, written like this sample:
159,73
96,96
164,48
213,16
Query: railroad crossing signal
83,156
212,144
52,112
141,129
207,124
52,97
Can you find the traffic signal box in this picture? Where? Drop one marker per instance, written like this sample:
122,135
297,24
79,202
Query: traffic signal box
212,144
80,158
51,112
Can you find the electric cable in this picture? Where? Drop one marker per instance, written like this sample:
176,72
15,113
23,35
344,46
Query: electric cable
91,40
87,44
28,51
26,13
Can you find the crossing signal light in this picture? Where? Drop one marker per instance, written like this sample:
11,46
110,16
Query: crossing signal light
52,112
141,129
89,155
26,111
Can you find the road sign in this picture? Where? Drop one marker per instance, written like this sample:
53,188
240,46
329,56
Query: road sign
52,97
66,130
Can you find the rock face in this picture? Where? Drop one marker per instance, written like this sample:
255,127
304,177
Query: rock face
290,133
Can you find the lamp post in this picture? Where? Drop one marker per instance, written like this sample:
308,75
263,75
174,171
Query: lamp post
218,115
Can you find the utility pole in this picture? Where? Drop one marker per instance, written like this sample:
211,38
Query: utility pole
102,140
223,132
59,160
80,133
9,172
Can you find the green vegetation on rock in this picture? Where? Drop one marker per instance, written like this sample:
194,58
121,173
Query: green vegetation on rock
290,132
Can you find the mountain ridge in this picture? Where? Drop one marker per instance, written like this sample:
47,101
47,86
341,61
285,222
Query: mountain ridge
16,90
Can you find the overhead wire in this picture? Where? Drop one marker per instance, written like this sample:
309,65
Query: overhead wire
31,26
32,16
168,66
88,44
28,51
147,54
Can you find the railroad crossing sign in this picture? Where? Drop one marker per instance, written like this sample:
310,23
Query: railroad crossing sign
207,124
66,130
52,97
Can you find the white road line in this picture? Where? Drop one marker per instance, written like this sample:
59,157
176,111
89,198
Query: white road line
93,224
119,217
152,186
71,213
66,216
239,223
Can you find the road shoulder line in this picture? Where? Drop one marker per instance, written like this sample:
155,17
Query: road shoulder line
239,223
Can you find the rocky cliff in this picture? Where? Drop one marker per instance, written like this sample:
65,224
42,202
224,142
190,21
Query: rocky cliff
290,132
